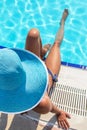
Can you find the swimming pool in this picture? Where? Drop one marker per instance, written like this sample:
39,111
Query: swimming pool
17,17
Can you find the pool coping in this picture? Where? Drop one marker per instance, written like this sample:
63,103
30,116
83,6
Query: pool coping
74,65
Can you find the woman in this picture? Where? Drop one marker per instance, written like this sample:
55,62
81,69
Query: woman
53,62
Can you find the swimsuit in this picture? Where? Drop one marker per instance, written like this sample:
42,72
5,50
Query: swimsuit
54,76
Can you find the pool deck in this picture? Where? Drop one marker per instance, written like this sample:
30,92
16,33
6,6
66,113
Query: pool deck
34,121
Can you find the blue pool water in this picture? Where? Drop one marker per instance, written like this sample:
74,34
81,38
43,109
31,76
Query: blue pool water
17,17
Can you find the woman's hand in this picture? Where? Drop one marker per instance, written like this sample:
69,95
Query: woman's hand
62,121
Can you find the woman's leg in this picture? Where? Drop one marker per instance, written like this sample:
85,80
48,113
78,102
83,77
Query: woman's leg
34,44
53,61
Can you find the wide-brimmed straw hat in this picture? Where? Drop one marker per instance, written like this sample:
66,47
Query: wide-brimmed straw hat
23,80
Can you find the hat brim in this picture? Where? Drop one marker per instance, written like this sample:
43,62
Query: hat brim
29,95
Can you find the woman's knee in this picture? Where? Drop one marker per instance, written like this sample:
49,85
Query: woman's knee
45,105
34,33
57,43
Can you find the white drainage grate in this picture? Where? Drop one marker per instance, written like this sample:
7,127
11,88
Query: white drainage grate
70,99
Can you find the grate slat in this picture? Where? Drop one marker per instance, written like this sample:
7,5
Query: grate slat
70,99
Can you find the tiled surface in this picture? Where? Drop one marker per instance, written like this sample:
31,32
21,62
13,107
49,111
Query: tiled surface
33,121
74,77
45,121
17,122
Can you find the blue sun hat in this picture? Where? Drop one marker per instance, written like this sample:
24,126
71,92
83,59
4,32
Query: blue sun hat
23,80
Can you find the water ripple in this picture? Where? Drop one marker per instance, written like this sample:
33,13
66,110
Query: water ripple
17,17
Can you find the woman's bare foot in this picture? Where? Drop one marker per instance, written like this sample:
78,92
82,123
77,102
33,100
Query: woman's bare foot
45,48
64,16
